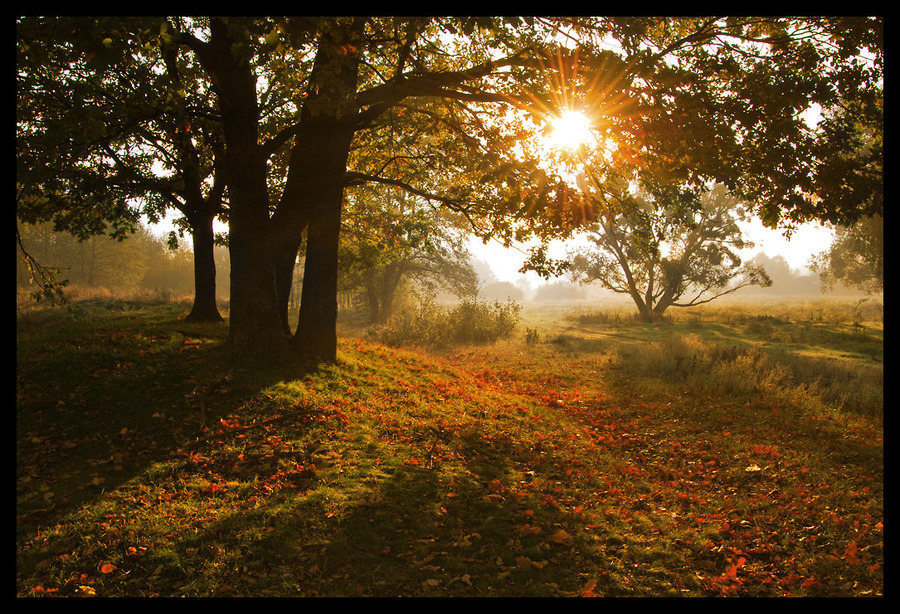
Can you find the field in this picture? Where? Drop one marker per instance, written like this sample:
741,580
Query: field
730,451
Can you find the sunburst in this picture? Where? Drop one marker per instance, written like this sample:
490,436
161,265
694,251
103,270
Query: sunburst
570,130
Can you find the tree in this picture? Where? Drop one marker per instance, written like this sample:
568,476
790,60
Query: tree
107,117
264,236
855,258
667,248
142,262
384,245
855,165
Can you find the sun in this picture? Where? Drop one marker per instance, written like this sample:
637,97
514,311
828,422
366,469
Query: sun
570,130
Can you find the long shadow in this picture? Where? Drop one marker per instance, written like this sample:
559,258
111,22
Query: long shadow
102,399
415,533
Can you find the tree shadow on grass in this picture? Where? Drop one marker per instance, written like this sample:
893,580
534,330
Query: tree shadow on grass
414,531
104,396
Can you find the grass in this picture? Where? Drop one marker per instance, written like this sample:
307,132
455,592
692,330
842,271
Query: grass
716,454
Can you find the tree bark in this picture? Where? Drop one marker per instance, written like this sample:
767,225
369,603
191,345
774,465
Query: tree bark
315,340
204,308
256,333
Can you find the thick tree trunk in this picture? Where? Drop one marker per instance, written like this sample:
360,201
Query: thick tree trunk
328,125
256,333
316,336
204,308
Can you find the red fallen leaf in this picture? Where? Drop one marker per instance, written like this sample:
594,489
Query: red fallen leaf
731,572
107,568
588,590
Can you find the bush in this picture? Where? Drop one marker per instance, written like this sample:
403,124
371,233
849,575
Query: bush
471,321
474,321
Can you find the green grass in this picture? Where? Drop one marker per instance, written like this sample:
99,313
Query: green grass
716,454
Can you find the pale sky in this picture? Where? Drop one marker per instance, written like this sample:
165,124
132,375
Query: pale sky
809,239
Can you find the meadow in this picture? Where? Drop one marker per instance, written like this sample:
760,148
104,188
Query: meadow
733,450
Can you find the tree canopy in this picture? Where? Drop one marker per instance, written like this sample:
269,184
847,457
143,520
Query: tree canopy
301,108
667,248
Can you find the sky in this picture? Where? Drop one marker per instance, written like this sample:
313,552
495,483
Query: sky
807,240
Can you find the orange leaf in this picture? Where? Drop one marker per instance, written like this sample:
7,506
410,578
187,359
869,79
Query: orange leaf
850,553
523,562
560,537
107,568
588,590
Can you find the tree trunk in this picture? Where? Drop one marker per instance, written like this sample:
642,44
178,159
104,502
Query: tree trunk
316,338
645,313
204,309
256,333
372,296
328,126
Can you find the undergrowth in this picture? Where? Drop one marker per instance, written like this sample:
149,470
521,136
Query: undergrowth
470,321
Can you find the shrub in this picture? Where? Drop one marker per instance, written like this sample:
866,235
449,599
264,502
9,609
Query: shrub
475,321
471,321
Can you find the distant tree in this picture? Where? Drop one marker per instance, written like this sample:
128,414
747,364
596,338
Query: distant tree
785,279
558,291
144,261
390,238
666,247
501,291
855,258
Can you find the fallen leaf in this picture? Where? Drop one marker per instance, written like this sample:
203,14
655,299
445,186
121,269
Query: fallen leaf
560,537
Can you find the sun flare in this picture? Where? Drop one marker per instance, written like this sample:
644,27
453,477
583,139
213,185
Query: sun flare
570,130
